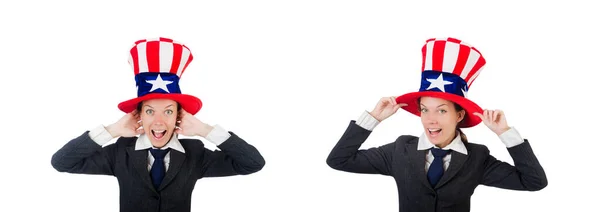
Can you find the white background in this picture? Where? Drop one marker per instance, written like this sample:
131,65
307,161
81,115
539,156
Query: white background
288,76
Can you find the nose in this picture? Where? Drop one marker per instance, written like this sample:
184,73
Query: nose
430,118
159,120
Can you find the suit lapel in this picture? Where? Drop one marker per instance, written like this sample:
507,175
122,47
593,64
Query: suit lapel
417,160
176,160
456,163
140,163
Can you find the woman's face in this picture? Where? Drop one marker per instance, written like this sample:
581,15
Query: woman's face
159,118
439,118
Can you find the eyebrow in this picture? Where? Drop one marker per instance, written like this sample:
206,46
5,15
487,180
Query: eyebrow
165,107
437,106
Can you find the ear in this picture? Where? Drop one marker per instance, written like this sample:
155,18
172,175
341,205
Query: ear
461,116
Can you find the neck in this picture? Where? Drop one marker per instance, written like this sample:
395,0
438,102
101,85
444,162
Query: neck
158,147
443,145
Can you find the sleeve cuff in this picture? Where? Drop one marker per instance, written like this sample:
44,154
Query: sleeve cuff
511,138
218,135
100,135
367,121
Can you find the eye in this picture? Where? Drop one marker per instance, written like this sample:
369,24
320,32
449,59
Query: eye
168,112
423,110
149,112
442,111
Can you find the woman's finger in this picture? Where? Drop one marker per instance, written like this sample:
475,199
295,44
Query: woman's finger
479,115
398,106
135,114
386,100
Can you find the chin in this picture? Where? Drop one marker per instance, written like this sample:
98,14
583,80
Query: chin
436,137
158,144
434,141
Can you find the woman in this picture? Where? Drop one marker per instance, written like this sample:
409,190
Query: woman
440,170
156,170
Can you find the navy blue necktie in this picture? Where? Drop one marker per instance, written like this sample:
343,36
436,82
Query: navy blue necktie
157,172
436,169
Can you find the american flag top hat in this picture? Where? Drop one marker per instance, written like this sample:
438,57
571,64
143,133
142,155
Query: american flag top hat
449,68
157,66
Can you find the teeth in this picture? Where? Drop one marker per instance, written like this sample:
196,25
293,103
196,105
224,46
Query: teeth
435,130
156,131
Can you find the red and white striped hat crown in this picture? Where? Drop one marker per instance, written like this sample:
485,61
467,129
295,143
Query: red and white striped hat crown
449,68
159,55
157,66
454,56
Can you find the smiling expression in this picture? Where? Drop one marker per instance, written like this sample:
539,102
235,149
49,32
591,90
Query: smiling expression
440,118
159,118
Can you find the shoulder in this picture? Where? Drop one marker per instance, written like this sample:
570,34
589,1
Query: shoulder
477,148
191,145
407,140
402,142
401,146
123,142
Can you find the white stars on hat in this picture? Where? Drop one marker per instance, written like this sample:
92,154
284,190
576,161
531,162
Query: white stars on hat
159,83
438,83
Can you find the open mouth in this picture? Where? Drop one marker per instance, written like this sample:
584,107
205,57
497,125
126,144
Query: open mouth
158,134
434,131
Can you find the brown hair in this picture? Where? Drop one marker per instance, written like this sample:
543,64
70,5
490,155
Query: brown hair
463,137
458,108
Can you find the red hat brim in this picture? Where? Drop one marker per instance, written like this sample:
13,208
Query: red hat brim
469,106
190,104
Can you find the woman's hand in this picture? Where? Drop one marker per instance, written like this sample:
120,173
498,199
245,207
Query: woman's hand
495,120
385,108
128,126
189,125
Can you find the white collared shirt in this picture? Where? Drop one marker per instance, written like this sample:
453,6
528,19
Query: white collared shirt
510,138
456,145
217,136
143,143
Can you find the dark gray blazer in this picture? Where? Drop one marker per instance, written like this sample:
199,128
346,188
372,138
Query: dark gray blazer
406,165
84,156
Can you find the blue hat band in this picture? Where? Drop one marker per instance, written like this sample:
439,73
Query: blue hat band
153,82
443,82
